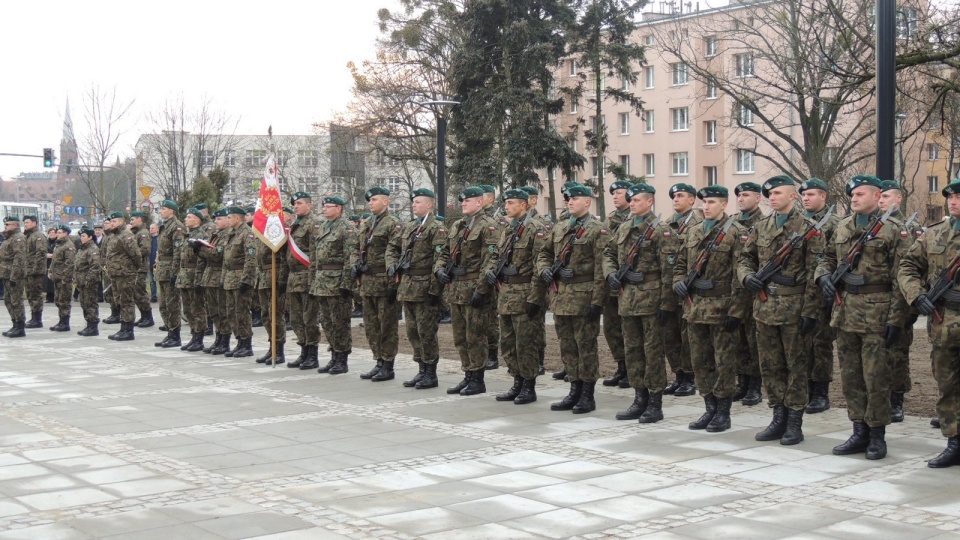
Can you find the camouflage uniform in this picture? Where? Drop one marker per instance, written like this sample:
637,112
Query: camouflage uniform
900,382
61,274
122,262
215,298
333,245
109,295
239,275
749,357
862,317
13,272
490,308
169,241
818,345
304,310
380,316
612,330
140,295
541,337
86,276
676,345
36,267
189,279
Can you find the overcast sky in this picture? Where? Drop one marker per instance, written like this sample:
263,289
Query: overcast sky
279,62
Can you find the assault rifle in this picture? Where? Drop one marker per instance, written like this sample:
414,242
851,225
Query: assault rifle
507,256
631,261
852,258
945,282
913,218
683,226
403,264
361,266
782,256
701,263
563,258
455,252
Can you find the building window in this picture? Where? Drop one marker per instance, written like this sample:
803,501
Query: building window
255,158
207,158
710,175
744,64
593,121
649,74
230,160
679,160
649,165
933,184
574,176
649,40
283,157
395,186
308,158
933,151
934,121
744,160
648,119
710,128
597,166
907,23
573,66
625,85
310,184
711,89
625,163
338,186
744,115
830,154
681,118
681,73
624,123
574,105
710,45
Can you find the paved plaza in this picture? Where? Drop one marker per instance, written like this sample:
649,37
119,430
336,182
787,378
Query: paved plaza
124,440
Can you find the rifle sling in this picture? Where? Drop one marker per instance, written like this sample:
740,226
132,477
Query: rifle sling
868,289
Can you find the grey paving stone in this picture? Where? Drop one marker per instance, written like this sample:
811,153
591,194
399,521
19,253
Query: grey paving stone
502,507
870,527
428,520
562,523
66,498
247,525
797,516
733,527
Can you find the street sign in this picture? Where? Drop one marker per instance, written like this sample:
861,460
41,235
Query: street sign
81,210
67,198
57,209
147,204
146,191
68,210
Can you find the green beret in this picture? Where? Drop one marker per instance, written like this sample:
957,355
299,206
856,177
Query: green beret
250,209
438,218
86,230
952,188
221,213
579,191
813,183
640,187
378,190
116,215
777,181
167,203
619,184
31,217
334,200
677,188
195,212
516,194
862,180
470,193
201,206
64,228
530,190
566,188
747,186
287,209
423,192
487,188
11,219
354,217
98,225
887,185
365,215
236,210
713,191
299,195
137,213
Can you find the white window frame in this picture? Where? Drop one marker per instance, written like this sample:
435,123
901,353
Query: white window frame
710,131
681,73
679,164
680,119
624,123
933,152
207,158
573,66
310,158
649,121
625,162
711,175
744,65
649,40
649,165
713,89
711,46
744,116
574,105
625,85
933,184
649,77
230,159
745,161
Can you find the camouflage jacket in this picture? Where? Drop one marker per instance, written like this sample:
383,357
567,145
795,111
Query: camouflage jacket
239,258
612,223
478,255
191,264
13,257
671,248
330,257
168,244
543,219
36,246
749,220
867,313
921,267
520,284
62,264
586,286
122,257
374,235
647,289
86,265
726,296
265,262
144,240
794,294
829,228
213,258
417,280
302,234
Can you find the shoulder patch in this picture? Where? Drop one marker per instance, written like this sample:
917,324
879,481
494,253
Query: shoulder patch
919,233
491,248
250,235
539,235
492,229
603,232
317,226
438,248
398,227
442,231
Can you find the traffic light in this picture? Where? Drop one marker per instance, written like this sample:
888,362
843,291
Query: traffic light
48,157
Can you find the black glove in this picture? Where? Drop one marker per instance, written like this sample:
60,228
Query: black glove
345,293
924,305
547,276
198,289
807,324
613,282
912,319
491,277
353,272
281,288
663,316
391,270
245,287
680,289
443,277
391,296
532,310
730,323
173,281
196,246
477,299
829,290
751,282
594,312
890,335
11,284
433,299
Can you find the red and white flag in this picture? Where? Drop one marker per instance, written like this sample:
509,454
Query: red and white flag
268,218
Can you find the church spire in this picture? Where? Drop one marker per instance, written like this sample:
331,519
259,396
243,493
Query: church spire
67,126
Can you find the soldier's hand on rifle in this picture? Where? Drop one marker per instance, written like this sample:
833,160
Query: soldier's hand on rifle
353,272
547,276
281,288
198,289
753,283
924,305
195,245
392,270
491,277
827,286
245,287
391,296
477,299
890,335
663,316
443,277
807,324
613,282
532,310
730,323
173,281
594,312
345,293
680,289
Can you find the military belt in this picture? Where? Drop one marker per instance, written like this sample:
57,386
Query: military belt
186,265
868,289
330,267
781,279
376,271
716,290
636,278
773,290
468,275
577,279
298,268
517,279
234,266
165,257
419,271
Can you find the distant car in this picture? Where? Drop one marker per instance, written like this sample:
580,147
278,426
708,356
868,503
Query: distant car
74,225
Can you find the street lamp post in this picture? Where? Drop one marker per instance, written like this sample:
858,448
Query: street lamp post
438,106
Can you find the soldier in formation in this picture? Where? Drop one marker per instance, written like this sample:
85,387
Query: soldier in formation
749,379
36,269
333,245
215,298
190,280
13,273
61,274
304,309
140,227
167,268
86,277
612,331
239,277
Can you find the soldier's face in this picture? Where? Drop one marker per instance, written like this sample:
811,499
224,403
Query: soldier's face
11,226
864,199
748,201
29,224
532,200
640,204
85,239
378,203
488,199
578,206
302,207
953,205
165,212
781,199
288,218
61,235
136,221
620,198
889,198
222,222
814,200
682,202
117,223
471,206
713,207
191,221
421,206
332,211
515,208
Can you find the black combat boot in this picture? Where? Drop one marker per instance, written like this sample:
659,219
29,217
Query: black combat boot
528,392
672,387
163,328
311,361
114,317
187,345
514,391
741,387
896,406
376,369
17,330
429,379
475,386
455,389
654,411
819,397
125,333
256,318
777,427
640,398
416,378
329,365
794,433
754,394
385,373
540,367
90,329
340,366
949,457
560,375
223,347
618,375
299,359
216,342
36,320
721,420
196,344
244,349
493,362
877,447
935,423
586,402
62,326
146,319
571,399
172,340
857,442
688,387
710,404
209,331
268,357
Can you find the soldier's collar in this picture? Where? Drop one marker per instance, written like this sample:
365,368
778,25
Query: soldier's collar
780,219
680,216
810,214
861,220
955,224
747,215
637,220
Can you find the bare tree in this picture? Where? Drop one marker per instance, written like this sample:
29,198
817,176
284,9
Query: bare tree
104,116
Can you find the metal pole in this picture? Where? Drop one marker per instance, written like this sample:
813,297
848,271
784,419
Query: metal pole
273,308
441,164
886,86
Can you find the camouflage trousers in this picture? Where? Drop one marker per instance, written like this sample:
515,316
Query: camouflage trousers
422,320
335,314
469,335
493,326
644,352
140,295
749,357
714,358
304,317
123,291
612,329
783,365
238,313
169,303
216,299
381,326
108,293
63,297
517,333
676,346
946,371
194,309
88,302
818,349
255,304
900,362
266,313
34,287
13,300
865,374
578,347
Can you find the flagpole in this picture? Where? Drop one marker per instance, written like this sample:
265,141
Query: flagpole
273,308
